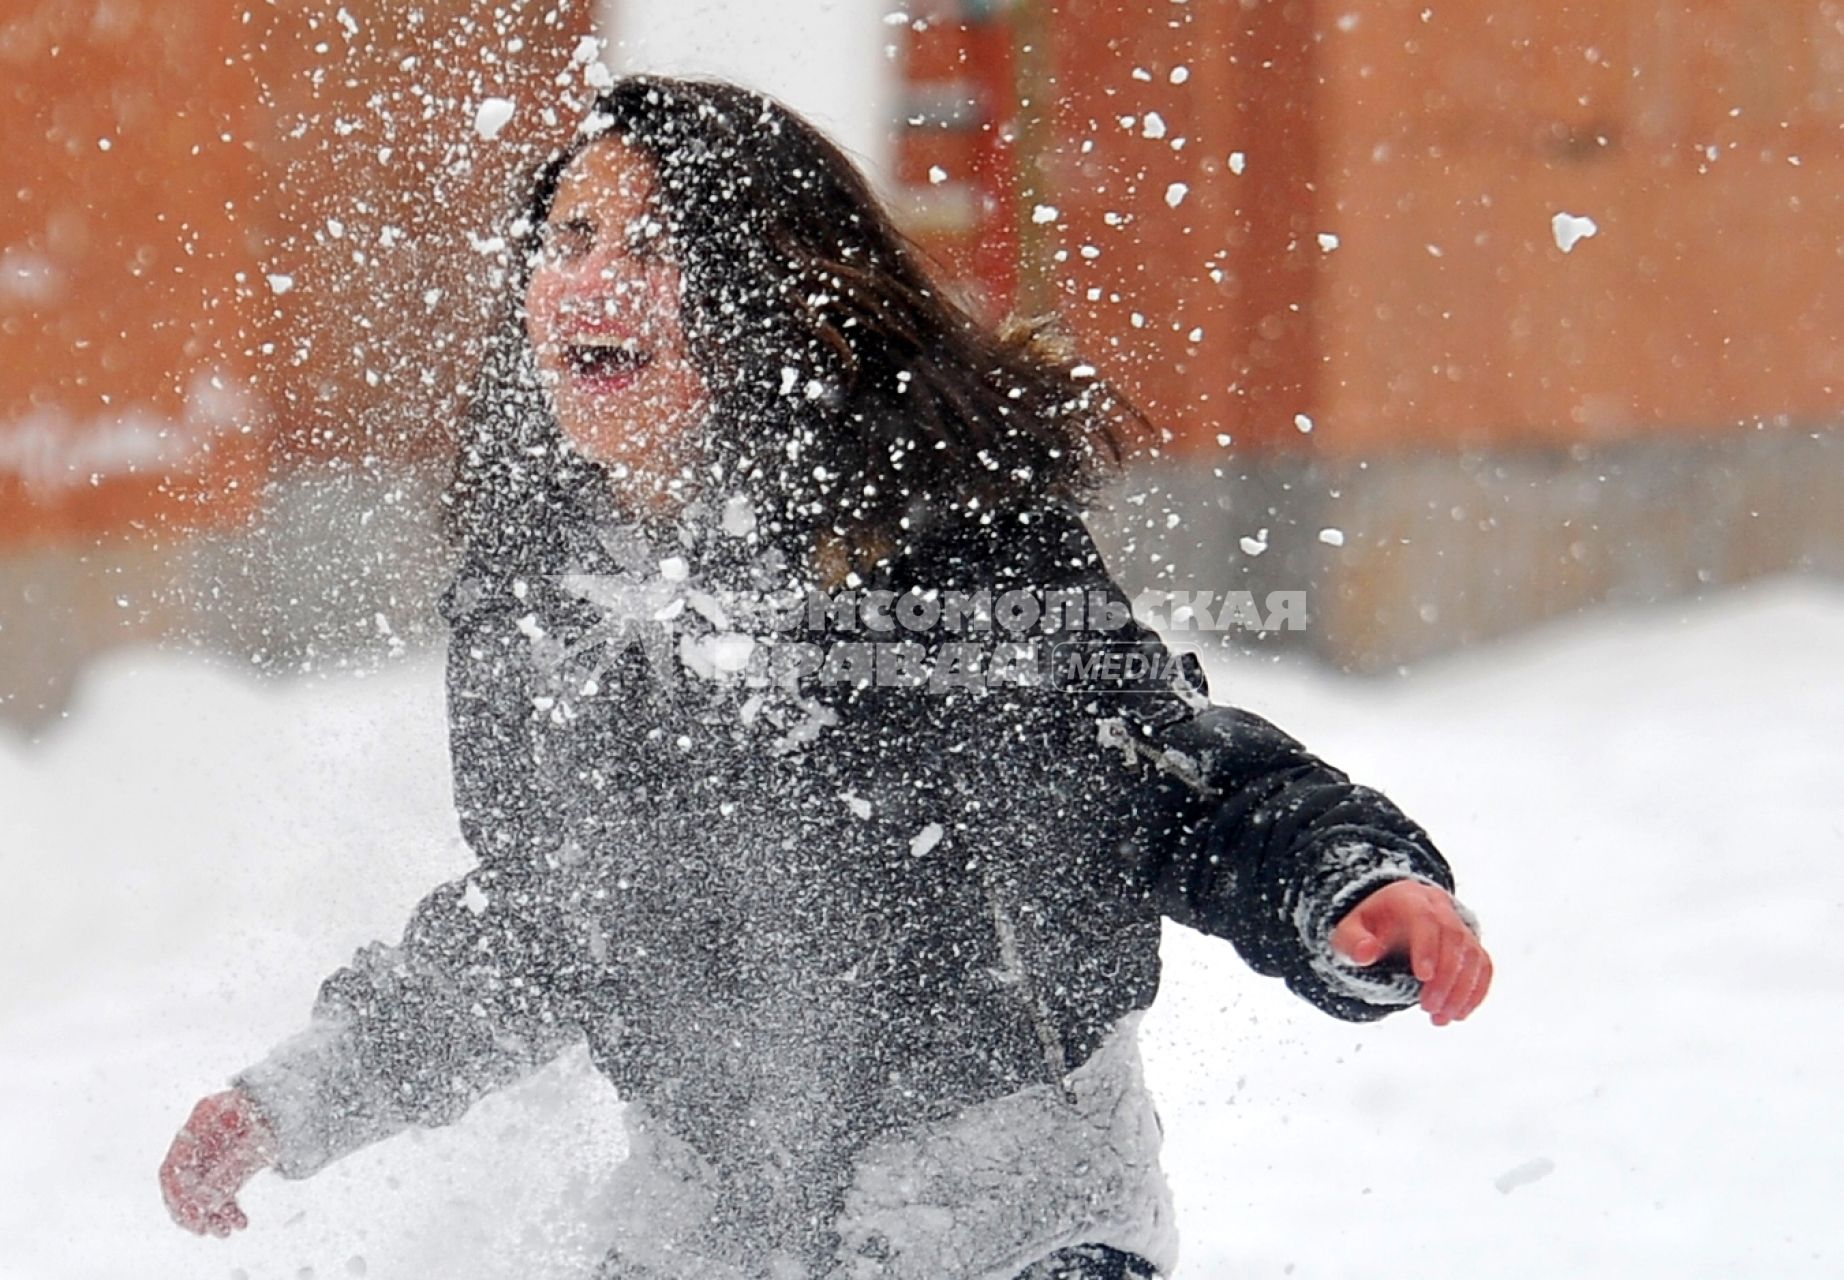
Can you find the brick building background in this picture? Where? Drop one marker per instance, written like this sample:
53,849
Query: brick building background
246,264
1320,244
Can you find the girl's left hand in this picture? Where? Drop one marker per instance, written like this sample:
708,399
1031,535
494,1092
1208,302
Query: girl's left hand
1416,920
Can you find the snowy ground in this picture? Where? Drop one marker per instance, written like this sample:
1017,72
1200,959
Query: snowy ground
1643,808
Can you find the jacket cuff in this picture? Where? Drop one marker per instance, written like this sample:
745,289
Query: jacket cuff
313,1094
1347,874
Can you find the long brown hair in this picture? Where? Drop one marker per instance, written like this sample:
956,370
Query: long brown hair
852,396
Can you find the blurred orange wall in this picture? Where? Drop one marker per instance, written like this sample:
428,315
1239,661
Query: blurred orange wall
127,397
1267,216
241,236
388,204
1701,137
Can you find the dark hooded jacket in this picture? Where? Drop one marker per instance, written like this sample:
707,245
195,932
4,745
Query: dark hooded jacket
790,915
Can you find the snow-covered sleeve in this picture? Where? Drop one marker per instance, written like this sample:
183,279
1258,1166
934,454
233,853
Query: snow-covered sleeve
476,993
499,794
472,998
1263,844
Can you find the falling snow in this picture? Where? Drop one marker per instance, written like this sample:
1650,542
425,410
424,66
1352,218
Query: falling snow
493,115
1570,230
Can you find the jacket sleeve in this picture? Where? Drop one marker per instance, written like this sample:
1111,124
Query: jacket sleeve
1260,842
477,993
415,1033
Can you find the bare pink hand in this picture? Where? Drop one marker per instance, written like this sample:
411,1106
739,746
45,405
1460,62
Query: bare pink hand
223,1144
1416,920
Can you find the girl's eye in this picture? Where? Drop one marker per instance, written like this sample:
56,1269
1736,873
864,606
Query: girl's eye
566,240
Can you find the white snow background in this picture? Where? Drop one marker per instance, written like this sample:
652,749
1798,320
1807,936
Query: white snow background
1643,807
830,60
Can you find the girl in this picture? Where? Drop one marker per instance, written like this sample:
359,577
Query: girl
817,774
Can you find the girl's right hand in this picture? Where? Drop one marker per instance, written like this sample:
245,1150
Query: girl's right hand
223,1144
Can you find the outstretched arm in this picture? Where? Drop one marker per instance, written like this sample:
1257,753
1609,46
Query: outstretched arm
469,1001
1262,843
475,996
477,992
480,990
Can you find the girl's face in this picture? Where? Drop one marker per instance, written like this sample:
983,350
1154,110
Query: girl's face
603,315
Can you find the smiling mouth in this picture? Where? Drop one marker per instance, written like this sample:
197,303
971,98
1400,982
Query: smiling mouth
605,363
